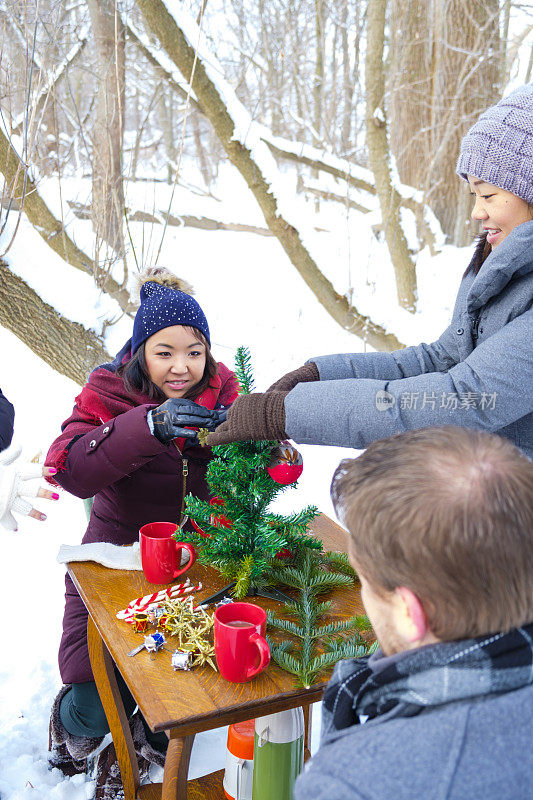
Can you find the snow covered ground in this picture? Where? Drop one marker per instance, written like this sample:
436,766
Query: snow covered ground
252,295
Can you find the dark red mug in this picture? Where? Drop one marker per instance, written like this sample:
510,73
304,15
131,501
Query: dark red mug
241,649
161,554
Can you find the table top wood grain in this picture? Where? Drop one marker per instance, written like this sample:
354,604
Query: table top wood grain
200,699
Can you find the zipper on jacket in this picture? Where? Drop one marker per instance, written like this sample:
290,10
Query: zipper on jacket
475,327
184,472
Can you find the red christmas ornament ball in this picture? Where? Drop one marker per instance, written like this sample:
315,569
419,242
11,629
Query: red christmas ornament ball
286,464
218,520
284,554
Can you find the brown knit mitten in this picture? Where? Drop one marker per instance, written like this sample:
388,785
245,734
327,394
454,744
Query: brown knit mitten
252,416
67,752
306,374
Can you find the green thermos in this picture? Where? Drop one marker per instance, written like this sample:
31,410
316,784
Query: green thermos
278,754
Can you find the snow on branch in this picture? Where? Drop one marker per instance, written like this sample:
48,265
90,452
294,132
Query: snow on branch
242,140
161,62
39,102
428,227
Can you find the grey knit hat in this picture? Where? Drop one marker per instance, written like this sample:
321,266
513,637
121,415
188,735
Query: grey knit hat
498,148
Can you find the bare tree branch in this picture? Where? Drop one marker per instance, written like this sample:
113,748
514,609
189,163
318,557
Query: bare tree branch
378,151
177,220
39,103
301,153
182,54
154,58
66,346
50,228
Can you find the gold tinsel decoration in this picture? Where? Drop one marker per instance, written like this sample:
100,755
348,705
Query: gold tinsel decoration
193,628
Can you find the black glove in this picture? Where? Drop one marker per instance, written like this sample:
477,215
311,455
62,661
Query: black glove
175,416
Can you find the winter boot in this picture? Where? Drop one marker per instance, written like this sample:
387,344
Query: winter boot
67,752
108,779
146,753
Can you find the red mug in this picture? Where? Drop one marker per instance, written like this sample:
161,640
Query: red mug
161,554
241,649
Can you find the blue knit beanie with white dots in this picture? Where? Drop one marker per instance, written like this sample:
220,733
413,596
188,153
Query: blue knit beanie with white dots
163,306
498,148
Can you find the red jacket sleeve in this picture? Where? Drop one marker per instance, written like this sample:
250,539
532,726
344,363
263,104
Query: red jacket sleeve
108,452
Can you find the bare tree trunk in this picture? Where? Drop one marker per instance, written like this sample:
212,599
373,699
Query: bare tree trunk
503,43
200,151
379,156
182,54
167,117
318,84
347,84
530,65
65,345
21,189
108,132
447,64
410,98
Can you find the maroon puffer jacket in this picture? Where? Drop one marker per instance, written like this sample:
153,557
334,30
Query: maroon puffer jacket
135,480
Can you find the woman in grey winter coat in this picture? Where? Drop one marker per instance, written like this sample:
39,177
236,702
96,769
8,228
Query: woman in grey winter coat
479,373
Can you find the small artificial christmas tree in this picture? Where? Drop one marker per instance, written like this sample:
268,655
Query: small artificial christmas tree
235,532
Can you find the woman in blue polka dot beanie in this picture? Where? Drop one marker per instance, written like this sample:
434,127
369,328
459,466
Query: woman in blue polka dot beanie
131,443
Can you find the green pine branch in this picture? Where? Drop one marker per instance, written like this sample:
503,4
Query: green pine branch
339,562
329,580
243,370
285,625
315,647
242,582
285,660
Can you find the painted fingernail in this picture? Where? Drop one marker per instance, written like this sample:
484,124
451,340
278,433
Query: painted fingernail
52,470
43,517
55,496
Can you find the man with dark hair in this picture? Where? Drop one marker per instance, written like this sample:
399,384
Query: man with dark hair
440,522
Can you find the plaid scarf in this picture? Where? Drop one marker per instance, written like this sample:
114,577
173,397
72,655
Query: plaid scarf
428,676
104,397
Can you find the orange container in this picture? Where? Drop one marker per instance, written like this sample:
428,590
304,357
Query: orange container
238,774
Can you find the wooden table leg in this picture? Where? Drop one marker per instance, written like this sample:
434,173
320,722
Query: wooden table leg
104,675
177,767
308,719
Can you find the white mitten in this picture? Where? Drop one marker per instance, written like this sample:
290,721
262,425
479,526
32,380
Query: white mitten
110,555
17,481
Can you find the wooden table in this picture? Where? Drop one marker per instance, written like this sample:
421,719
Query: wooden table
182,703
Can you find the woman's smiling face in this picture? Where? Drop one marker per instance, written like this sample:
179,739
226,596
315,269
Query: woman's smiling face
175,359
498,210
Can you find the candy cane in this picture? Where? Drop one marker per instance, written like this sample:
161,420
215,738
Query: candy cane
134,606
128,614
142,603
